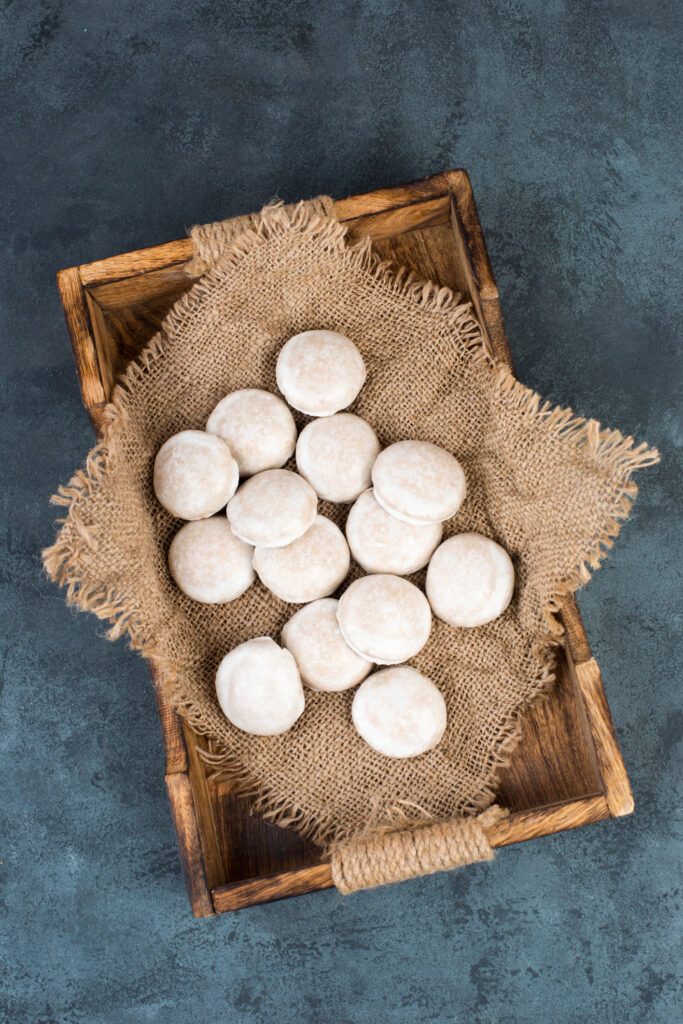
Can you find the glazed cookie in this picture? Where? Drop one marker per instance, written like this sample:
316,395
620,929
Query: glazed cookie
320,372
399,712
470,580
418,482
384,618
336,454
312,566
195,474
325,660
259,428
209,563
380,543
272,508
259,688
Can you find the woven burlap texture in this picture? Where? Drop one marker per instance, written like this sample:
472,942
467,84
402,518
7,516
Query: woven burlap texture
549,486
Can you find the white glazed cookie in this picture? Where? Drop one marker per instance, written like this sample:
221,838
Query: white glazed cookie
418,482
399,712
470,580
336,454
384,618
272,508
209,563
312,566
381,543
195,474
259,428
259,688
320,372
325,660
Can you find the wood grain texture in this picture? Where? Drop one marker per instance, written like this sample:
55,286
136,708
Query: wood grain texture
392,222
250,846
129,264
85,352
189,844
367,203
461,189
515,828
567,769
206,824
577,641
275,887
613,772
105,346
113,296
545,821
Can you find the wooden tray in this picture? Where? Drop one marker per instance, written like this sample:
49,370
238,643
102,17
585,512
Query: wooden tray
567,769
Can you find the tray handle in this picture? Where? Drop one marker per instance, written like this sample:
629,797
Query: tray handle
395,856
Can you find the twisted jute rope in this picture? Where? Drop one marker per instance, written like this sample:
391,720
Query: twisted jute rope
395,856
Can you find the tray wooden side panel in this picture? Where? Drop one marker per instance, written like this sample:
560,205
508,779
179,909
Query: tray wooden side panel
567,770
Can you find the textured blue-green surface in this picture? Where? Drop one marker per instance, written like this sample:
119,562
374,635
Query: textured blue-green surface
124,124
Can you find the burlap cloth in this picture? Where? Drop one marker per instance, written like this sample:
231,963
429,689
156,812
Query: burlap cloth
549,486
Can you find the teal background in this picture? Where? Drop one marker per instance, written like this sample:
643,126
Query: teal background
124,124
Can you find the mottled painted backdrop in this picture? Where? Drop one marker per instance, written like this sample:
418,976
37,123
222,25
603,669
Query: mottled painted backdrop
122,125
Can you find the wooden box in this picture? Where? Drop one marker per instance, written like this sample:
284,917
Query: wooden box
567,769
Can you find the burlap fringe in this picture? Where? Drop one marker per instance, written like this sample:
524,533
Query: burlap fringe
64,560
387,855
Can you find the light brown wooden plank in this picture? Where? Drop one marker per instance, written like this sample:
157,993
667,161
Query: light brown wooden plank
96,414
393,222
189,845
83,344
615,780
276,887
545,821
130,291
396,195
474,236
138,262
103,343
577,641
470,282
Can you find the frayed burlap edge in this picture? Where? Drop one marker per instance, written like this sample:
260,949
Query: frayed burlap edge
615,452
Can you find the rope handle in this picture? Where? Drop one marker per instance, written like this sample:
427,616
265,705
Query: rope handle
395,856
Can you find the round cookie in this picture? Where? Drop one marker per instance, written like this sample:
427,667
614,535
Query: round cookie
325,660
381,543
259,428
320,372
195,474
272,508
418,482
259,688
336,454
399,712
209,563
470,580
384,618
312,566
